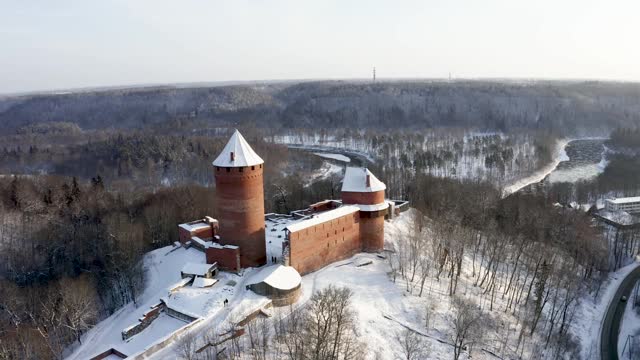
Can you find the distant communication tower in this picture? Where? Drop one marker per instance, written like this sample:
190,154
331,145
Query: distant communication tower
374,74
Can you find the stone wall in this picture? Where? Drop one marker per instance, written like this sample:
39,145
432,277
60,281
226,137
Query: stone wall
166,341
144,322
180,315
278,297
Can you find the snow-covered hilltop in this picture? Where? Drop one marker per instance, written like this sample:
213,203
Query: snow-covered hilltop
385,304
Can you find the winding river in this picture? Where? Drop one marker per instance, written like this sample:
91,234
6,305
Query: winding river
583,159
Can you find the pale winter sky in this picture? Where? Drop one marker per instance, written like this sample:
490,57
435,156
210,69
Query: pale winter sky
62,44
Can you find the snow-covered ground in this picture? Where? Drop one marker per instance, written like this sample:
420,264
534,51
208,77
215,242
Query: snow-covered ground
275,235
383,307
162,270
559,156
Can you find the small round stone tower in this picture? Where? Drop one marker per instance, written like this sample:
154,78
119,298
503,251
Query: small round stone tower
240,200
360,187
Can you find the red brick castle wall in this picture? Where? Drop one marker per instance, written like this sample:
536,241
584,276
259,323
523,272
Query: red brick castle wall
240,211
319,245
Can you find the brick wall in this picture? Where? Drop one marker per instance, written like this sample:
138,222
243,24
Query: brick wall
240,211
372,230
314,247
363,198
186,235
227,258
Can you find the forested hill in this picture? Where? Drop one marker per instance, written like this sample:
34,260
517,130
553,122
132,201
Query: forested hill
571,108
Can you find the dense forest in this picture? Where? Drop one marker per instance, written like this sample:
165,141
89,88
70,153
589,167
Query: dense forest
572,108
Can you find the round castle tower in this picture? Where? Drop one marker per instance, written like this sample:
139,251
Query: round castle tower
240,200
360,187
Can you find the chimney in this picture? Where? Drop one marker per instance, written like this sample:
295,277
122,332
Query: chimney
368,180
233,156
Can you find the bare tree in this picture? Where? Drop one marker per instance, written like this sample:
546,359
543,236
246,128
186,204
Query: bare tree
466,326
187,346
412,345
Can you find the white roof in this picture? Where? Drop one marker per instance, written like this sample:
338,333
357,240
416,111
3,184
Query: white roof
355,180
323,217
201,282
197,268
194,226
625,200
243,154
277,276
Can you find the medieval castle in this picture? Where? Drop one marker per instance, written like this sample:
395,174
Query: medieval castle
306,240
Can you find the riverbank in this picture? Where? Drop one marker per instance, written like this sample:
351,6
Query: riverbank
559,156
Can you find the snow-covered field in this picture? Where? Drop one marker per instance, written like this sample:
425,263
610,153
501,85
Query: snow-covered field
162,270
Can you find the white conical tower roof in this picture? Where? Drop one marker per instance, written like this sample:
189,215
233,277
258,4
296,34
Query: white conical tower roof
355,180
237,153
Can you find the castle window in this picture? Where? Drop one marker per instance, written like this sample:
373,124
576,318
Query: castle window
241,169
253,168
228,169
260,166
217,168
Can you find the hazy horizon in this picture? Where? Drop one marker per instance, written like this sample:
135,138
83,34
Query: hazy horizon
73,44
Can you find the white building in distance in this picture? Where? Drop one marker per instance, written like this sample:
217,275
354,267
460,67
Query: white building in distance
629,204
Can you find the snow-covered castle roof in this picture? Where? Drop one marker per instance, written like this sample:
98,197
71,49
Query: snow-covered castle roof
237,153
277,276
355,180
